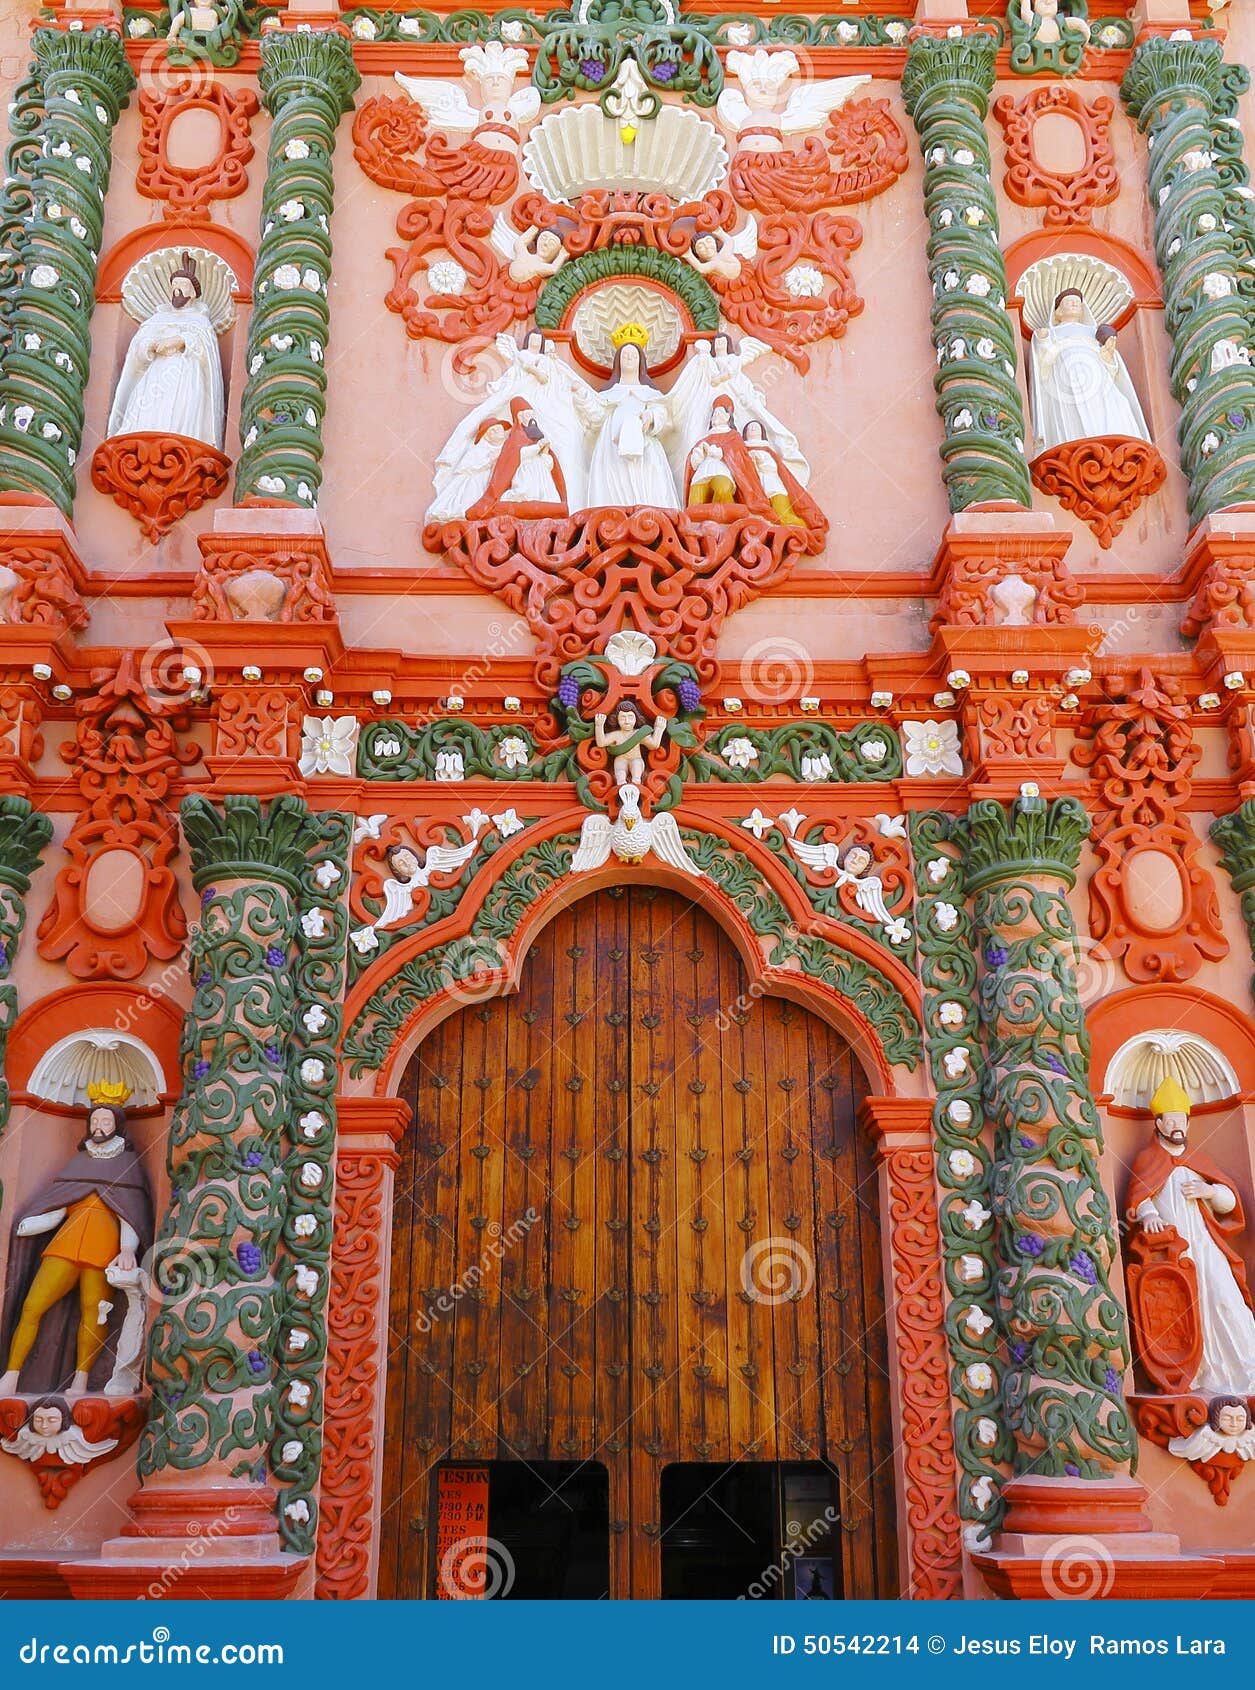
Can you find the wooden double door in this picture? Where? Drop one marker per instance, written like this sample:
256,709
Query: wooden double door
636,1224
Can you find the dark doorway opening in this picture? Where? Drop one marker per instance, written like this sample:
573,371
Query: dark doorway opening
757,1530
548,1533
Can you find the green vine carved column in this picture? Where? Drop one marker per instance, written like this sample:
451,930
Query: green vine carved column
80,82
946,87
23,834
1064,1331
1181,93
1235,836
307,83
215,1347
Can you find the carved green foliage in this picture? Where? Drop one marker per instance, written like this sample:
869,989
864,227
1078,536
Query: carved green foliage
583,51
512,896
676,694
726,29
24,832
219,46
17,199
83,81
808,751
1235,836
558,293
946,951
1031,54
212,1345
1065,1331
946,88
307,83
1183,95
453,750
309,1181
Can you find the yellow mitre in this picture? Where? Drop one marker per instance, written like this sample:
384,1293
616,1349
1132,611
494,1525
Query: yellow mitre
1170,1099
112,1093
635,334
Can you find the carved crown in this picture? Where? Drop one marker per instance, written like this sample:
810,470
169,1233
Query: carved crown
635,334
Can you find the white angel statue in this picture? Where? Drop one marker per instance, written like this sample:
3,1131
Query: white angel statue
530,253
49,1430
629,466
631,837
718,366
533,372
1081,388
410,871
761,103
501,114
852,870
1227,1430
714,252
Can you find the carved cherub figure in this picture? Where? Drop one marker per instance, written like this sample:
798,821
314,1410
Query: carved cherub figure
530,254
1047,25
714,252
628,740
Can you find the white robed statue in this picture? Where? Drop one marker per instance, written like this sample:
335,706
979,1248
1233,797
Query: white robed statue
1081,388
718,366
171,381
533,372
629,466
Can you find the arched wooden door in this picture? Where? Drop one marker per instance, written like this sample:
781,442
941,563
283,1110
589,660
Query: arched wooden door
636,1224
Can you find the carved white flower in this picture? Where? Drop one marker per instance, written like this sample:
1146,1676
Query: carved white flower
138,27
315,1018
847,31
387,747
978,285
50,431
296,150
897,931
962,420
971,1269
314,924
365,29
1109,35
23,417
298,1393
932,748
962,1163
985,347
255,363
1216,285
740,753
306,1280
449,765
513,752
874,750
738,34
959,1111
311,1175
979,1375
512,30
958,347
508,822
292,210
281,342
986,1434
1210,443
305,1226
955,1062
757,823
31,342
945,217
804,281
977,1321
327,874
412,26
311,281
964,156
937,870
328,745
43,276
950,280
291,1451
937,155
951,1013
270,483
447,276
364,940
313,1071
816,766
298,1511
946,917
287,276
315,351
975,1215
974,216
896,31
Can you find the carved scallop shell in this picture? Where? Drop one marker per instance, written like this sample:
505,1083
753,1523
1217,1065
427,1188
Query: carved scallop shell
146,286
95,1056
579,148
1104,289
1137,1069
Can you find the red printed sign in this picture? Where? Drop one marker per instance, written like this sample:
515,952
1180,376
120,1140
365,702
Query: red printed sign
462,1534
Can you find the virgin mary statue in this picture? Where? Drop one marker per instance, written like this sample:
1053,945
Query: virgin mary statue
629,464
1081,388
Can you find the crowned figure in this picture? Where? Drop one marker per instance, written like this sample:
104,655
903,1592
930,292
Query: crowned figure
628,466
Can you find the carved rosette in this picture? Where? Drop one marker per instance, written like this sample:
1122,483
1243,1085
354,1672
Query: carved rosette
1102,481
309,1178
964,1165
307,83
1181,93
85,80
1064,1330
946,87
24,832
216,1347
159,478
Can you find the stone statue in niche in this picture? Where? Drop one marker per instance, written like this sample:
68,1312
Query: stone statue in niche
1177,1193
76,1243
171,381
628,740
1081,388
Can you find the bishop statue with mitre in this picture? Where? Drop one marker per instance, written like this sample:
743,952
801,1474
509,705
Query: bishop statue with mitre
1174,1186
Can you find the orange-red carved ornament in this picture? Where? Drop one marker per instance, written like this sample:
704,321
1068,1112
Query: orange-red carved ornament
188,190
1069,195
94,1422
1163,1303
863,151
159,478
37,587
1101,481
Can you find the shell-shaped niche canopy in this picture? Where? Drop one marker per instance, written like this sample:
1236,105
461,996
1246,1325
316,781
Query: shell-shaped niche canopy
1105,290
146,286
579,148
1143,1062
98,1056
602,310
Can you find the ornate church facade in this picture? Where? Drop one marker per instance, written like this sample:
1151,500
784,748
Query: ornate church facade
627,824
